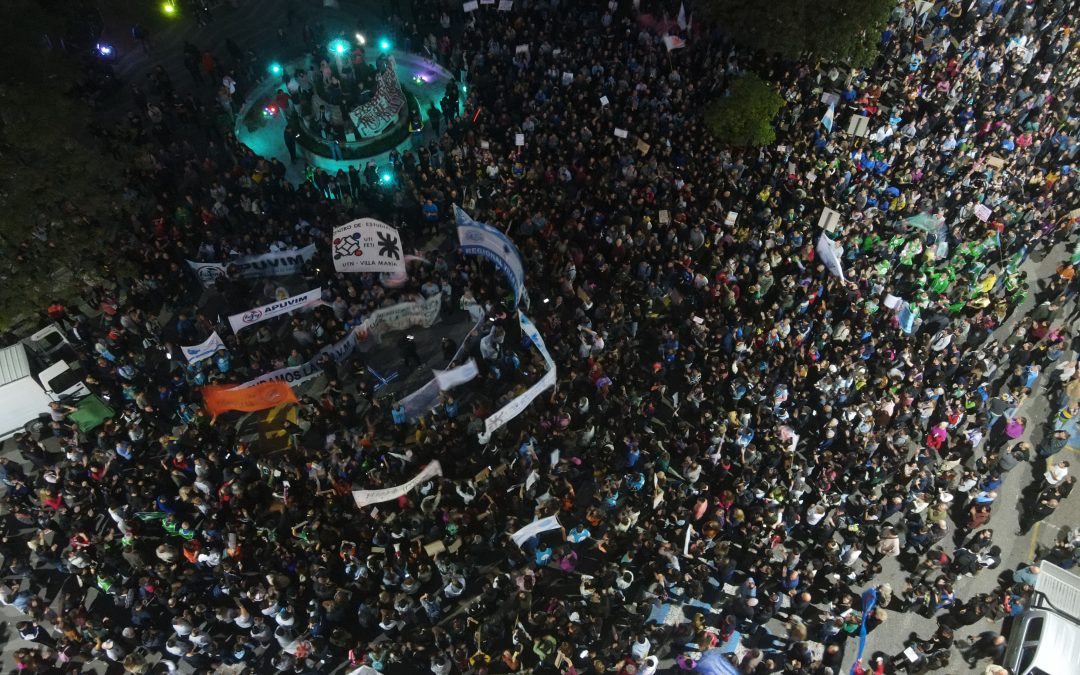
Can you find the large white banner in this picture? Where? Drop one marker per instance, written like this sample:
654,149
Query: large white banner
274,309
365,497
830,253
422,313
279,264
367,245
534,528
204,350
448,379
483,240
296,375
529,329
516,405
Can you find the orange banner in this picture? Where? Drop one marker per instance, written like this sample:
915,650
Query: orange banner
222,398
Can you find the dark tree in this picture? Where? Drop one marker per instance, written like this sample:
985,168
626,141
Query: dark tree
840,31
744,116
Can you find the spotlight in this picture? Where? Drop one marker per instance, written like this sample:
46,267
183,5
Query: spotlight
384,44
360,39
104,49
275,68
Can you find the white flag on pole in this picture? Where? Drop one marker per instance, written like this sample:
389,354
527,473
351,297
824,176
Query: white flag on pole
448,379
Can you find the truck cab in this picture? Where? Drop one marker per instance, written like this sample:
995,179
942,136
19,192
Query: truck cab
1045,638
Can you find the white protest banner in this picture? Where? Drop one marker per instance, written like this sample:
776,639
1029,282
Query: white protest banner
366,497
529,329
296,375
208,272
516,405
280,264
274,309
982,212
418,403
534,528
448,379
830,253
470,6
422,313
506,5
205,350
483,240
367,245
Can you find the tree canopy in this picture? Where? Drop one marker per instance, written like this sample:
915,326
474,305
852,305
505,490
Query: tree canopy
56,188
744,117
841,31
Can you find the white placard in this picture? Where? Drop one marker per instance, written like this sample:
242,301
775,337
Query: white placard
730,218
484,145
506,5
982,212
829,220
367,245
858,125
621,133
522,49
567,78
519,139
366,497
892,301
274,309
470,6
604,100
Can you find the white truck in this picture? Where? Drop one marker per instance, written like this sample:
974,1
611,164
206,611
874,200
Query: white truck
1045,638
33,373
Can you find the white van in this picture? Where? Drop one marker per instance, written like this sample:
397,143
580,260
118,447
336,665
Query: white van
26,390
1045,638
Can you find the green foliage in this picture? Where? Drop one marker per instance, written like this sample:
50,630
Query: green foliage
843,31
745,116
56,188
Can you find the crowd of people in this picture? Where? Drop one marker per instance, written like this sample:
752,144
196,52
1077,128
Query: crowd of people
739,436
